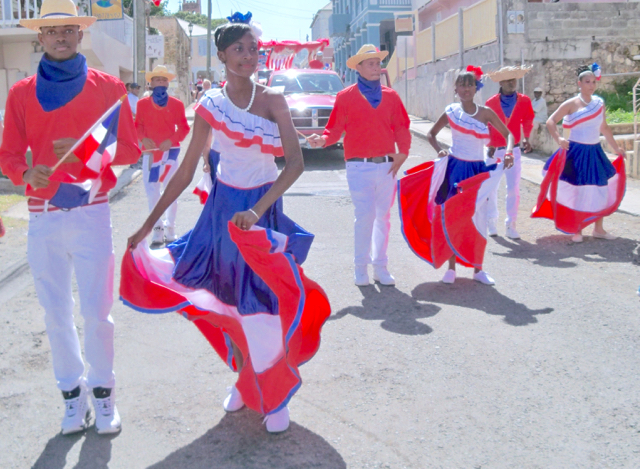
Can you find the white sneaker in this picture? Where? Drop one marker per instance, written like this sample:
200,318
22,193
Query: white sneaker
484,278
278,421
361,276
512,233
233,401
107,416
77,412
491,227
449,276
157,237
170,234
382,275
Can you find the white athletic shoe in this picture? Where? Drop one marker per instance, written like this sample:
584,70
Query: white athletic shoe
157,237
361,276
382,275
484,278
233,401
491,227
512,233
76,413
449,276
170,234
278,421
107,416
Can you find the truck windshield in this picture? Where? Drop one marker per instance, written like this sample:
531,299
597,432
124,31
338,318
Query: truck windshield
324,83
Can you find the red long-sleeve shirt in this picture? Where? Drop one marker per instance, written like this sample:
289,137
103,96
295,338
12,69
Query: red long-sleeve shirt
27,125
369,132
161,123
521,116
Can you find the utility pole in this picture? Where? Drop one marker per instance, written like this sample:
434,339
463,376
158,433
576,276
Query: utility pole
140,48
209,39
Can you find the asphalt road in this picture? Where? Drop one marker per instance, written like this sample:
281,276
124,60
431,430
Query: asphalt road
540,371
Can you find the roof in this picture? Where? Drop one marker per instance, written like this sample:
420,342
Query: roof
197,30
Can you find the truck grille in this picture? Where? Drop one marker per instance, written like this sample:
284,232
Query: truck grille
311,118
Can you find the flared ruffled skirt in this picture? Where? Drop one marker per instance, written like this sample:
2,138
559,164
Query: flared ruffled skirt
579,187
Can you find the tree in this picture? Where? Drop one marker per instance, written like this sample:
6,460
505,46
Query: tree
199,19
159,11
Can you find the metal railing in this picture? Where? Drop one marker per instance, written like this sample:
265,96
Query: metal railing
12,11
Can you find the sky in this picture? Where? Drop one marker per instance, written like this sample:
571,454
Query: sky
280,19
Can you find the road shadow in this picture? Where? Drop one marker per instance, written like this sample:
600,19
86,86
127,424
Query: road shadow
320,159
559,251
241,441
95,452
398,311
471,294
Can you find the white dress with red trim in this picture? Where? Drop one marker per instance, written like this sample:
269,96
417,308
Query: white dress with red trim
442,203
245,287
581,185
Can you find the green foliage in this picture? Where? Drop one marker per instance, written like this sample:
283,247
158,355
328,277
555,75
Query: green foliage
621,97
199,19
159,11
127,6
619,116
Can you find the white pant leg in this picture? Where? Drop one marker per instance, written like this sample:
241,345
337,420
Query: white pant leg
384,197
153,189
361,178
512,176
93,260
51,267
492,202
172,211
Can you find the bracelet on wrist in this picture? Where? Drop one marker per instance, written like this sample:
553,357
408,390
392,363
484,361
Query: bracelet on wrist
257,217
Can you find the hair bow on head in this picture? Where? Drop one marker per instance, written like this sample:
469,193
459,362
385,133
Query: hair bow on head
596,70
238,17
477,71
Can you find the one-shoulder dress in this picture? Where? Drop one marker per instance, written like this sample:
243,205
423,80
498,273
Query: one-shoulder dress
581,185
245,287
442,203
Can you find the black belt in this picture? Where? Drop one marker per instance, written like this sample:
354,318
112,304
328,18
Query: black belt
504,148
376,159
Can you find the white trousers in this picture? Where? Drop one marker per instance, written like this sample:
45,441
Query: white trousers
513,188
58,243
154,191
373,191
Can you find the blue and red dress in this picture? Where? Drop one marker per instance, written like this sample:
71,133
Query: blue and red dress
245,287
442,203
581,185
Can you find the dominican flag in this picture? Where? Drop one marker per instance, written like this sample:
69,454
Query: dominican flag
203,188
159,170
457,227
96,149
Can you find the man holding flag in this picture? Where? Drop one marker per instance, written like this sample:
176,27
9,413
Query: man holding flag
67,185
161,124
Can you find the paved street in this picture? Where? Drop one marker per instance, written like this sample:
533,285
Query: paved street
540,371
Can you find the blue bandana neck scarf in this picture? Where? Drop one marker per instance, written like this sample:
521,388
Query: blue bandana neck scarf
160,96
57,83
508,103
372,90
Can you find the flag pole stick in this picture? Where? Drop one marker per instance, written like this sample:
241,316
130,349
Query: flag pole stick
88,132
302,135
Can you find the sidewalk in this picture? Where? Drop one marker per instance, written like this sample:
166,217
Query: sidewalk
532,164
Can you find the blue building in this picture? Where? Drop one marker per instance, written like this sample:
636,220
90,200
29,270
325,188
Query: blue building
354,23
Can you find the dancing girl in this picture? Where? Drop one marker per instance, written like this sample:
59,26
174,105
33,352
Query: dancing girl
237,273
443,203
581,186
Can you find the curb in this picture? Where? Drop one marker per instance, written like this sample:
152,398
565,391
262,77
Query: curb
7,187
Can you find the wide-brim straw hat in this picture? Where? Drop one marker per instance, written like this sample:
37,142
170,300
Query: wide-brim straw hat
368,51
508,73
58,13
159,71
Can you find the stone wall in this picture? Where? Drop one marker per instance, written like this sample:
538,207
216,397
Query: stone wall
176,55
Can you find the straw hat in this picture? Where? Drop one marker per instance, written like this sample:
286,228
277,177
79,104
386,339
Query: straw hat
509,73
58,13
159,71
368,51
538,90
